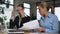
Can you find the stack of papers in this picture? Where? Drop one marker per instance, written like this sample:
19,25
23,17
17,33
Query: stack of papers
30,25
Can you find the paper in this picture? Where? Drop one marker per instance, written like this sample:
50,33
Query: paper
30,25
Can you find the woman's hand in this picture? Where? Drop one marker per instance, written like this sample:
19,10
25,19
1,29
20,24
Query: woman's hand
40,29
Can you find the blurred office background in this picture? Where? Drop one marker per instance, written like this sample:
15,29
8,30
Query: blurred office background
31,9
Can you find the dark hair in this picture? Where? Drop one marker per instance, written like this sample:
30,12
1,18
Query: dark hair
21,5
41,4
47,8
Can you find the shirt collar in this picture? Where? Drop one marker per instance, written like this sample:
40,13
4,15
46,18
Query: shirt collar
25,15
49,15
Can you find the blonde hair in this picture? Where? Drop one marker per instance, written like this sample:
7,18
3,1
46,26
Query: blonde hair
48,6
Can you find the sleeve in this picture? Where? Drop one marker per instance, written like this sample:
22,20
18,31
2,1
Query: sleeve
11,23
15,22
54,26
24,20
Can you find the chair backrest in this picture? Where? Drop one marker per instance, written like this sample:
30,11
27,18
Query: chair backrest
59,26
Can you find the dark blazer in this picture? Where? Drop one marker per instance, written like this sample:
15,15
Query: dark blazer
16,21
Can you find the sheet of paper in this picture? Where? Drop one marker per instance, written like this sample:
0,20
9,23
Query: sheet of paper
30,25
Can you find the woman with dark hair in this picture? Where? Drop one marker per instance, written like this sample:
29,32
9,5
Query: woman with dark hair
17,21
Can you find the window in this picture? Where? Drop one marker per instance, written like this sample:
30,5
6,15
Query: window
38,14
27,9
57,12
7,11
11,1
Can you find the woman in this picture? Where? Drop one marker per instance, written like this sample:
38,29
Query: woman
48,21
17,21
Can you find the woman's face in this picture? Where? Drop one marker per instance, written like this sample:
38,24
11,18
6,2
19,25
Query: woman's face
41,10
20,10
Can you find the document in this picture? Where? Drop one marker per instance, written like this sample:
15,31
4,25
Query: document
30,25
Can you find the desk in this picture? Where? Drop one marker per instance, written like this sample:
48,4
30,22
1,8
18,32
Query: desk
30,33
39,33
1,33
12,31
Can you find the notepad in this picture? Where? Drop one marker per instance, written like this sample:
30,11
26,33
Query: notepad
30,25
